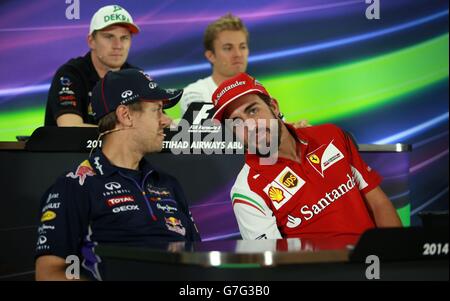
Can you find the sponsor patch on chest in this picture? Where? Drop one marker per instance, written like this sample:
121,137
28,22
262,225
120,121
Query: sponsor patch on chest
283,187
324,157
119,200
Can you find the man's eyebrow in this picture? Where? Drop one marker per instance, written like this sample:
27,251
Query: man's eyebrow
250,106
247,109
107,34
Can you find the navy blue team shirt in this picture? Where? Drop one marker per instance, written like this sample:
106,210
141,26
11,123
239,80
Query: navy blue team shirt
103,203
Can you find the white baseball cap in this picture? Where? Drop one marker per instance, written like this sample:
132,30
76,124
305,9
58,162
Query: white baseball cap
112,14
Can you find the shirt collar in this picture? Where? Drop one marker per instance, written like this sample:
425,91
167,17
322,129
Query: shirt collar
92,74
103,167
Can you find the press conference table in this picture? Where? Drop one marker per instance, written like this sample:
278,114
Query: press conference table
273,260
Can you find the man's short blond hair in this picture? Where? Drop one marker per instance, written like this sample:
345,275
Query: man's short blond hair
227,22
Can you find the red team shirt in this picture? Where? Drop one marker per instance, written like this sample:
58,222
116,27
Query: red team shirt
320,197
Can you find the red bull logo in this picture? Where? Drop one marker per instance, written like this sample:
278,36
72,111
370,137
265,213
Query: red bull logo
83,170
173,221
174,224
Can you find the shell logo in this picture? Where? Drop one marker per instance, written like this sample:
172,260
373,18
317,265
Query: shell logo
276,194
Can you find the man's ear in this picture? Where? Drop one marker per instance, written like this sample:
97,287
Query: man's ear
124,116
210,56
275,107
90,41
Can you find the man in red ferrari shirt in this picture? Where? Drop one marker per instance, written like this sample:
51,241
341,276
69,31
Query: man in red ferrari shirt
318,187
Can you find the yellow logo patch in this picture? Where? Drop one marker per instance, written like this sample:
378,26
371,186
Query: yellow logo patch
276,194
314,159
48,216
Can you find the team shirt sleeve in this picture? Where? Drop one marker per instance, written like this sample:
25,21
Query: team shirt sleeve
366,178
66,94
181,199
63,220
254,217
189,96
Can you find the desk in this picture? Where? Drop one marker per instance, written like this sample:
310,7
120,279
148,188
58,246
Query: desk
275,260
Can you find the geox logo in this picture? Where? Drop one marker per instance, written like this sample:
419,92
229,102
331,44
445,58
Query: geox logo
227,88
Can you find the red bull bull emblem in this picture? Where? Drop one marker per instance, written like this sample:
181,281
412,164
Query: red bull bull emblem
174,224
83,170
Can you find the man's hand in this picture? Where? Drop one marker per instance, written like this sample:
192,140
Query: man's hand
51,268
70,119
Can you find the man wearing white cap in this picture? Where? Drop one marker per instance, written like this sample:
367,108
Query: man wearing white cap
109,40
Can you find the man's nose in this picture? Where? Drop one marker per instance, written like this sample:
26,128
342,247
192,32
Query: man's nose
237,52
165,120
118,44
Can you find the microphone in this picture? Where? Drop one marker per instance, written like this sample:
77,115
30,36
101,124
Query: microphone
111,131
105,133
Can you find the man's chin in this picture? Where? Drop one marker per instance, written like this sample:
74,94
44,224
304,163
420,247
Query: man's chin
264,152
156,148
115,64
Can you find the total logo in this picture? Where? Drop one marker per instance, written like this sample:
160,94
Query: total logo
126,208
120,200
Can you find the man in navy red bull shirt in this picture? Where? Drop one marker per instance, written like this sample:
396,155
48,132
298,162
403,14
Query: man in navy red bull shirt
314,186
116,196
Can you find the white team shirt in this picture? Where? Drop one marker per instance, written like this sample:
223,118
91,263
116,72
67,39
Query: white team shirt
199,91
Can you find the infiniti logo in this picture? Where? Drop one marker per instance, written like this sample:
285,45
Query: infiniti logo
112,185
127,93
42,240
